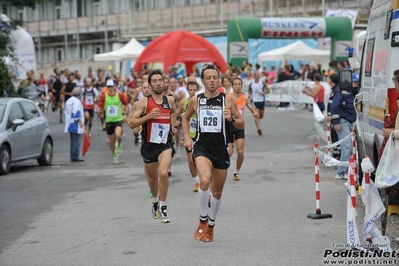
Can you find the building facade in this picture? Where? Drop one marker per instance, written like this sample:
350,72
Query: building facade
70,32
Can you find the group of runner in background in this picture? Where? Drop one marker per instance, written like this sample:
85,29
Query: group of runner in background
167,111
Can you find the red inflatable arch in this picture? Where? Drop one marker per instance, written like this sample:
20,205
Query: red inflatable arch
180,46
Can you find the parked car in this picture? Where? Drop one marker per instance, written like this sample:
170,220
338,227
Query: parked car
24,134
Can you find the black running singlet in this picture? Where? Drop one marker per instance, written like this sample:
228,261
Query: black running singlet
212,127
68,88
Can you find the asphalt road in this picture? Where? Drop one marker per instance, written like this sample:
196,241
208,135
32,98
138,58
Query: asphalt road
97,213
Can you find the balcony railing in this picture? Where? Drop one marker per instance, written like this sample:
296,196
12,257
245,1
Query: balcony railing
207,17
88,24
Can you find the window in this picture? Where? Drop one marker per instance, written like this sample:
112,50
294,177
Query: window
57,9
2,111
21,14
32,14
81,52
111,6
15,113
96,7
81,8
59,54
4,9
30,110
42,56
368,66
162,4
43,12
72,9
136,5
57,12
98,49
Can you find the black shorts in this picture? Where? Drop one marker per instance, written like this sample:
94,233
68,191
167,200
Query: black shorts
151,151
57,97
90,111
111,126
219,157
236,134
259,105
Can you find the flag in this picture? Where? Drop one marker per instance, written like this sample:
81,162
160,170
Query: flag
86,144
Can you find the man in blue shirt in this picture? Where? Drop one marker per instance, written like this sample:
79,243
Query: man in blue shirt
343,116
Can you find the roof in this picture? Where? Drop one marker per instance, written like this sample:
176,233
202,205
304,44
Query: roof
131,50
295,51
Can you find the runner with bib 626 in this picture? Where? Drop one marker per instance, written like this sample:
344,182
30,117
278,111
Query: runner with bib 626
215,112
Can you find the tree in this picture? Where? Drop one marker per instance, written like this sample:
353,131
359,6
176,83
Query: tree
6,51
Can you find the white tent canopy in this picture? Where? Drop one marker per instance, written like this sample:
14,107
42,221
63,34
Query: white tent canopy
131,50
295,51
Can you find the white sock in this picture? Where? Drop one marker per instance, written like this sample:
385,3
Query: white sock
215,205
155,198
196,179
203,197
162,203
236,172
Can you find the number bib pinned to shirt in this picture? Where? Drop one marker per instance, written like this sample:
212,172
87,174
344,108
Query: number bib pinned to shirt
159,133
211,121
42,88
89,99
193,124
112,111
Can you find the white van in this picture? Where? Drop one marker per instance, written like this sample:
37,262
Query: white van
358,43
380,59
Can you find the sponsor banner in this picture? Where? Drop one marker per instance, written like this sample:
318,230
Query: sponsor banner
342,47
293,27
352,233
374,208
332,145
24,50
238,50
329,161
290,91
320,122
325,43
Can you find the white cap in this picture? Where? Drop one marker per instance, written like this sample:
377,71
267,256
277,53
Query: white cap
110,83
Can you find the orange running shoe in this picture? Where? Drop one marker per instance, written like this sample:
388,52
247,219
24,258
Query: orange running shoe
196,187
201,228
208,236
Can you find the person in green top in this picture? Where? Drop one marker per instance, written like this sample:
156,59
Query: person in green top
111,102
192,88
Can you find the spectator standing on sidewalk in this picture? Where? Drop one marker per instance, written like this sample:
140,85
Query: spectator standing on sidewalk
74,123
